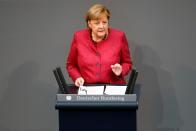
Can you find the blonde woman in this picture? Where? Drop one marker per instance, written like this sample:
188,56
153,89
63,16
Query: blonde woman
98,54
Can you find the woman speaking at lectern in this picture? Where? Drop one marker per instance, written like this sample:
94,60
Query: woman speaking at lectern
98,54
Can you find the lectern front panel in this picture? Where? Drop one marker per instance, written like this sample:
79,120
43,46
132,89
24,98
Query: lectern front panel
97,112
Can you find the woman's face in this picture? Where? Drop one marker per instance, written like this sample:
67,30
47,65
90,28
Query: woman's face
99,27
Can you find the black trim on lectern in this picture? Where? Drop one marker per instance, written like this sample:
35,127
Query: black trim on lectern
61,88
131,82
61,80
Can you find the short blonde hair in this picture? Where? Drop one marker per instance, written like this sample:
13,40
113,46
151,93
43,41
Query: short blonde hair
96,11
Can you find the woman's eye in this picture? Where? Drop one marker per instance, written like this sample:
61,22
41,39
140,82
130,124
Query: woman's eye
96,23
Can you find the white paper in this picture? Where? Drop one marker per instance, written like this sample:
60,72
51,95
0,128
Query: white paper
115,90
90,90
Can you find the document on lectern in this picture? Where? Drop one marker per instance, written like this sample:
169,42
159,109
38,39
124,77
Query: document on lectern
91,90
99,90
115,90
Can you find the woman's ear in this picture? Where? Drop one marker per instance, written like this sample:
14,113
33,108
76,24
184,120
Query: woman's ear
89,24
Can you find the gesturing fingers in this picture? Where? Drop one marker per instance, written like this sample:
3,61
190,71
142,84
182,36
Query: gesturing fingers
117,69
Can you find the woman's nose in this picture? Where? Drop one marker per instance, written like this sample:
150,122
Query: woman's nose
101,25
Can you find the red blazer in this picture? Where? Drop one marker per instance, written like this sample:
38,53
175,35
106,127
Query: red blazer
92,61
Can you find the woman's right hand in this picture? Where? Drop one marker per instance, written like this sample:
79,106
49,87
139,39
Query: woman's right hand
79,81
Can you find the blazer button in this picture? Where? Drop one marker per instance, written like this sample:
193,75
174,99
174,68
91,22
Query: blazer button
97,64
97,74
97,53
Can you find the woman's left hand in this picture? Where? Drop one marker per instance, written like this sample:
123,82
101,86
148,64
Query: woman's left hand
117,69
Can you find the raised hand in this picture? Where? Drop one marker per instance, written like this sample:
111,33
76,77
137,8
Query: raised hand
117,69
